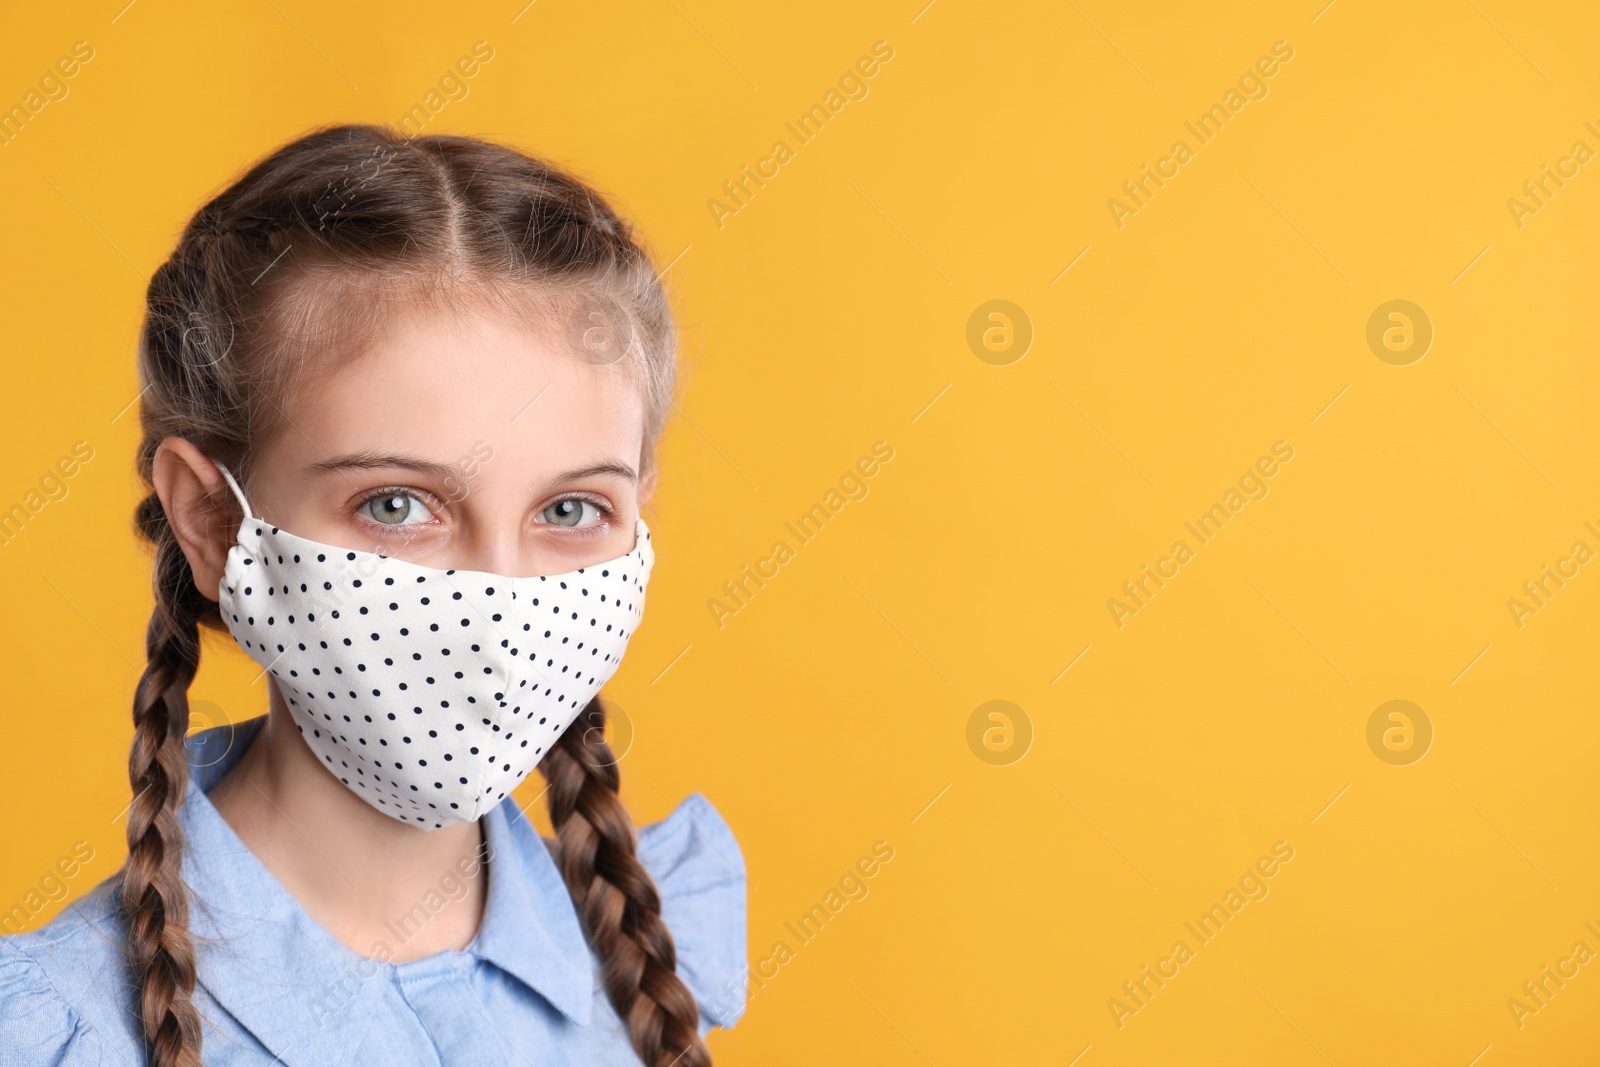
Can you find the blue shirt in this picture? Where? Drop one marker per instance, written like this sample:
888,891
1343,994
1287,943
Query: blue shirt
277,988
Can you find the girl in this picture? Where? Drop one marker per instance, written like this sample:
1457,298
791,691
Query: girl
401,401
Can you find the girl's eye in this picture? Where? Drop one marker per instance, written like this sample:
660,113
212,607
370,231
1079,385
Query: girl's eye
398,509
570,512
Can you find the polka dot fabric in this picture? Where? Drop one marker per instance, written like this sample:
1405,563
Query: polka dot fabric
430,693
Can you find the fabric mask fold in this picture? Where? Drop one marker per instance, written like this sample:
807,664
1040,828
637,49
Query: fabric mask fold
430,693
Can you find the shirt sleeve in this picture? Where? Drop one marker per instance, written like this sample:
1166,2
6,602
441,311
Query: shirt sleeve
37,1027
699,870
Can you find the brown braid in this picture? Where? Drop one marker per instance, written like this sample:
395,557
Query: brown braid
312,248
616,897
159,950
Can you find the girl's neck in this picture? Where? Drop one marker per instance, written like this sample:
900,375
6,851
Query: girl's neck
373,882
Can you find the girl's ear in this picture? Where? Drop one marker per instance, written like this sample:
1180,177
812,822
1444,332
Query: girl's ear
646,487
196,500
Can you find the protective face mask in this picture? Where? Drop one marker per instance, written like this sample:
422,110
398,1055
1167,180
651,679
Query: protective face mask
430,693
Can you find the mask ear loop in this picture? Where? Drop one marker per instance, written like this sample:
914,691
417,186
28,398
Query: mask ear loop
236,491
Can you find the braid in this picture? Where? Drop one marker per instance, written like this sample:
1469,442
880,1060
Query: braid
616,898
160,953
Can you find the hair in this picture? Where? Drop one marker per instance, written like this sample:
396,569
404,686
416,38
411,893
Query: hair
310,251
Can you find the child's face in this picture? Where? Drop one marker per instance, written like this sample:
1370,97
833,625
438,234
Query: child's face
460,440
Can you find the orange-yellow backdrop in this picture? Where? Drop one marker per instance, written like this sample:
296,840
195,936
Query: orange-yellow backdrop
1174,341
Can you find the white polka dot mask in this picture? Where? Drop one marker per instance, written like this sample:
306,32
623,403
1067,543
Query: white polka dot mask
430,693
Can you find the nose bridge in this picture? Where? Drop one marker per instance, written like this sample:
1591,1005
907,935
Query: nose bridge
498,549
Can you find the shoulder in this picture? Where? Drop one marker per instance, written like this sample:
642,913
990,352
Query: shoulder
699,870
59,996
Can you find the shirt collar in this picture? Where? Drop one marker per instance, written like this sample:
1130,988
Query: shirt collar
301,991
530,926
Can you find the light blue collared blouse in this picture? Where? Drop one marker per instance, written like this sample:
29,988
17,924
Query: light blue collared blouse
276,988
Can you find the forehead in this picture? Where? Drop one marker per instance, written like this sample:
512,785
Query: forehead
438,381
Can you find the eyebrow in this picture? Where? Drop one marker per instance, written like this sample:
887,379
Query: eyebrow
370,460
441,471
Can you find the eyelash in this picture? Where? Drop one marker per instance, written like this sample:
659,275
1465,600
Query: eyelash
608,514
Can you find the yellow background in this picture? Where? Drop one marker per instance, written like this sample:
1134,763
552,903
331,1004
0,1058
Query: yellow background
826,315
